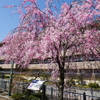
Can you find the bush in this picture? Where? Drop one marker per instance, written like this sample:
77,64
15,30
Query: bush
19,78
1,69
17,96
32,97
39,95
7,76
36,96
70,82
31,80
93,85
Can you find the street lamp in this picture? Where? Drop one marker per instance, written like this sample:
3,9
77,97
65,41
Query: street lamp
10,80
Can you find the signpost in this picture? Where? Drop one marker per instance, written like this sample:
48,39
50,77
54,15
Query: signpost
36,85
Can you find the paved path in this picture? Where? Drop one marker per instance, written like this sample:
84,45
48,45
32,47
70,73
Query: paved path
4,96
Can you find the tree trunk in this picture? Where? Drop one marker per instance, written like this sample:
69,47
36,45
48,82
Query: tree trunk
60,94
61,85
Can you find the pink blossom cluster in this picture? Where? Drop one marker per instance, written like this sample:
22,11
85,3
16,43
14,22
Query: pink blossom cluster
47,34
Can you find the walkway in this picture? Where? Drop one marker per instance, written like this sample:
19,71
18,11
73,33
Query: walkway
4,96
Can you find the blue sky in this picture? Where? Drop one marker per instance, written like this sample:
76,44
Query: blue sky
8,21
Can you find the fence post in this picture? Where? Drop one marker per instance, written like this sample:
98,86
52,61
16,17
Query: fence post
84,96
28,94
0,84
43,92
23,87
51,92
5,85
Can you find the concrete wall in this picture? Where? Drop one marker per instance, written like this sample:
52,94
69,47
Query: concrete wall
73,65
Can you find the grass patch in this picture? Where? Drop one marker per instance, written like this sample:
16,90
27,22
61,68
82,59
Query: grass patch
49,83
84,86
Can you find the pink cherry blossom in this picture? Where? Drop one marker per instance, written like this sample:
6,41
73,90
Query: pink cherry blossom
58,36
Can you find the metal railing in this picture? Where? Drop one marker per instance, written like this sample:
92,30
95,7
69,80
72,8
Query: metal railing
52,93
17,87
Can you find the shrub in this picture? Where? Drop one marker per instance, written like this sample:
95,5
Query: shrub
6,76
70,82
17,96
32,97
93,85
36,96
31,80
1,69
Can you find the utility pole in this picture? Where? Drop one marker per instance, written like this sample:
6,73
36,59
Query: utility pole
10,80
